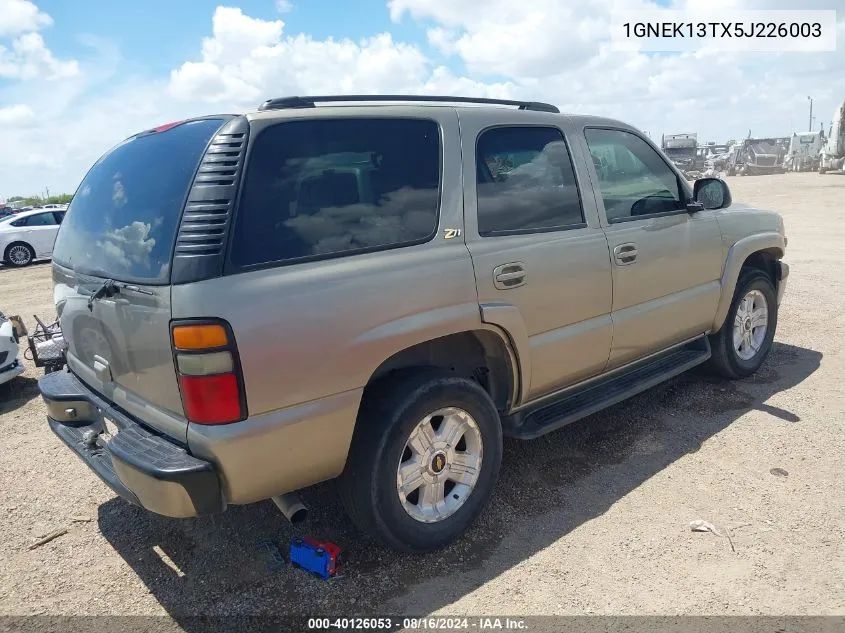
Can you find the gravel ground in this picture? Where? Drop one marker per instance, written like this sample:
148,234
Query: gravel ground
593,519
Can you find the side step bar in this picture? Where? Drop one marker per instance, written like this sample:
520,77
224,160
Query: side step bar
579,403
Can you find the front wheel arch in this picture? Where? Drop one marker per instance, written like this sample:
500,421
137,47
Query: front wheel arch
760,251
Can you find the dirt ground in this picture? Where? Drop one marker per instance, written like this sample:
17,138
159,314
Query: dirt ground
593,519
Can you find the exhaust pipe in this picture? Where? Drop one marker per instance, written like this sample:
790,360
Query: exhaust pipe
292,507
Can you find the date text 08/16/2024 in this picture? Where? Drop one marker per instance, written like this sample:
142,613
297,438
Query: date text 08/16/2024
412,624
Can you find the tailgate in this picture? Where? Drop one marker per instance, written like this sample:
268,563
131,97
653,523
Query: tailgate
121,347
112,270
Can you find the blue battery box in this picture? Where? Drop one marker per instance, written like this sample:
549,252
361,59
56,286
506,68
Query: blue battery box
319,557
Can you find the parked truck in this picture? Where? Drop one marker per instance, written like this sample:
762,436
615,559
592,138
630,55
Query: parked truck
832,156
804,151
682,150
758,156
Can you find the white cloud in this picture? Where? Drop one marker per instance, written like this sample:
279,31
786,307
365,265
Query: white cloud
29,58
561,54
16,114
21,16
247,60
284,6
537,51
129,244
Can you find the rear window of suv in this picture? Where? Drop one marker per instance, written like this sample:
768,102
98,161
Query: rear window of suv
123,219
327,187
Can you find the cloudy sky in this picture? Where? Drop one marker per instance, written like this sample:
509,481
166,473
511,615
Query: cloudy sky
78,76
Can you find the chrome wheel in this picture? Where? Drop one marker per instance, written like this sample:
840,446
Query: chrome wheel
440,465
750,324
19,255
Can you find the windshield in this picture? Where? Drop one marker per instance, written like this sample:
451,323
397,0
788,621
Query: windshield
123,219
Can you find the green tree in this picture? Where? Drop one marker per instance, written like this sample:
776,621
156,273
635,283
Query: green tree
37,201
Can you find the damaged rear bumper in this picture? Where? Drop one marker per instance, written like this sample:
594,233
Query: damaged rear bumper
144,468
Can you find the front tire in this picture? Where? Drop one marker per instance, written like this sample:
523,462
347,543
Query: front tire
19,254
745,339
424,459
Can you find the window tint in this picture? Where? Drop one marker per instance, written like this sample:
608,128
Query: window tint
123,220
525,181
60,215
331,186
41,219
633,178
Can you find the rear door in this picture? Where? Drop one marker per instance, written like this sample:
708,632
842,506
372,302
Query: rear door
41,230
541,261
122,226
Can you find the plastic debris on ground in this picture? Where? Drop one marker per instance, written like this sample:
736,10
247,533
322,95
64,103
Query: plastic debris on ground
319,557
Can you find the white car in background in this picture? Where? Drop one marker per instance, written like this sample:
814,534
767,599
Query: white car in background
10,364
29,235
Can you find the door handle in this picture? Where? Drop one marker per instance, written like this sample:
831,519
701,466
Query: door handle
509,276
625,254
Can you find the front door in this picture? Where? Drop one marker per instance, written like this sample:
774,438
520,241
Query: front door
540,256
667,262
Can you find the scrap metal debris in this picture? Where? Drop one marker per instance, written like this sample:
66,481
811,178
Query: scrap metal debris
276,559
48,537
700,525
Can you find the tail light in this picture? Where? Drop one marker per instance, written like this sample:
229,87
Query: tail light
209,371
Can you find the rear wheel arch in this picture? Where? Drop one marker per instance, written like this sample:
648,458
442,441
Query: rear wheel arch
11,245
483,356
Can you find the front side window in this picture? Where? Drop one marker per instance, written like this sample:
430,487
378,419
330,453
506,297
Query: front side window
525,181
326,187
633,178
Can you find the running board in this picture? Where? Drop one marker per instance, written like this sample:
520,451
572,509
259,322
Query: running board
581,402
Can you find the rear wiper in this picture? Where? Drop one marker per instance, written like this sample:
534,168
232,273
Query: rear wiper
108,289
135,288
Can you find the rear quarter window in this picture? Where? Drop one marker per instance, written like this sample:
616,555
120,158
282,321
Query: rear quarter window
123,219
328,187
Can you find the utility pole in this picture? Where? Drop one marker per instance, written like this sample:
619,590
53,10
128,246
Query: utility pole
811,113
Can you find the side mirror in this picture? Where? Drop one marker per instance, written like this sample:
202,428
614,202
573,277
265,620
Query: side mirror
712,193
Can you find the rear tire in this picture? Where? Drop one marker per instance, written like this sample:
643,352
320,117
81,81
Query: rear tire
19,254
381,498
739,347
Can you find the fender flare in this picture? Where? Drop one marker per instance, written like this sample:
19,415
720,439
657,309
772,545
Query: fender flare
770,242
508,319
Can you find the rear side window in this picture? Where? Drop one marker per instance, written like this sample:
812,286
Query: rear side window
326,187
123,219
39,219
525,182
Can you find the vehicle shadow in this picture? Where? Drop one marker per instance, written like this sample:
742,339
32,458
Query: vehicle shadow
17,392
36,263
221,565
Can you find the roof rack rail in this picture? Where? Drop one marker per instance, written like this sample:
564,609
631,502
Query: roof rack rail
282,103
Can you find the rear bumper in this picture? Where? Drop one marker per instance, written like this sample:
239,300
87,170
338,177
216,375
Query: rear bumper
782,272
142,467
10,371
